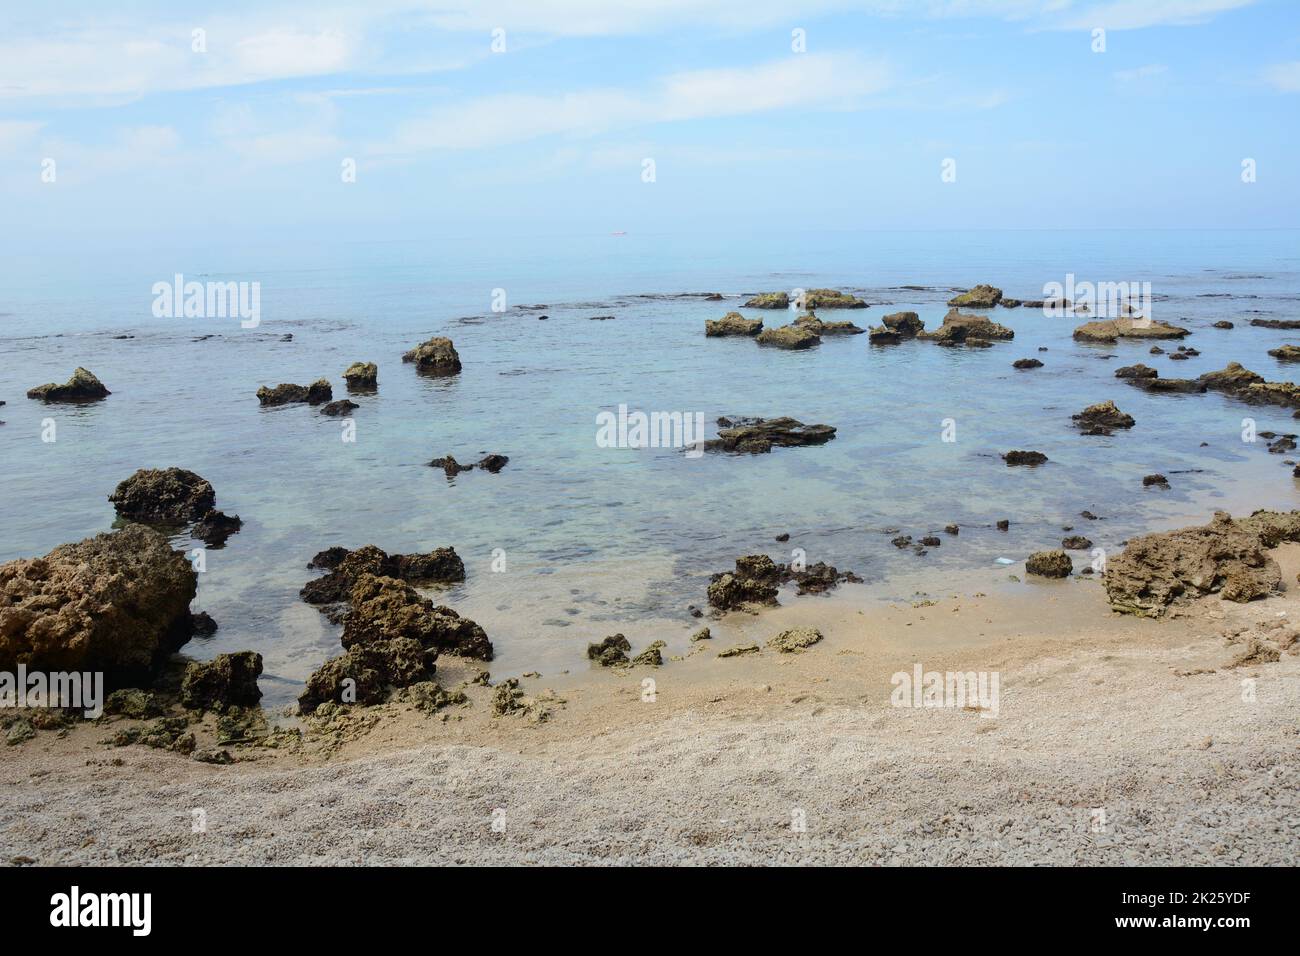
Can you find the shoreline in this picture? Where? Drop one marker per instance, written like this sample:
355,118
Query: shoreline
1133,715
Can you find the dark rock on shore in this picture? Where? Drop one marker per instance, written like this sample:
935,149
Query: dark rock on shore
366,674
362,376
1023,458
227,679
959,329
760,435
317,393
440,566
1049,564
754,581
1110,330
387,609
980,297
769,300
1102,418
789,337
1226,556
611,652
1027,363
437,356
82,387
117,603
733,323
215,527
163,496
489,463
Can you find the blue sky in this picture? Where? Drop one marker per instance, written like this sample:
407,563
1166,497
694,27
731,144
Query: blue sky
151,138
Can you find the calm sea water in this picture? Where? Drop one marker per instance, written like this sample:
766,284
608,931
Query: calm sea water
600,540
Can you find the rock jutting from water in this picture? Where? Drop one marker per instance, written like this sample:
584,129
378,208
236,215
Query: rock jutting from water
732,324
436,356
1102,418
317,393
489,463
769,300
1286,353
822,327
757,436
757,577
1136,371
362,376
830,299
342,407
83,386
1027,363
980,297
440,566
163,496
226,680
793,337
1023,458
1111,330
973,330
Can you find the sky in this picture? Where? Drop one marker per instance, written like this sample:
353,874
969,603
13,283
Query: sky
402,118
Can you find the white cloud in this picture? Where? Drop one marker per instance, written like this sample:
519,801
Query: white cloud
811,81
16,134
1139,14
1284,77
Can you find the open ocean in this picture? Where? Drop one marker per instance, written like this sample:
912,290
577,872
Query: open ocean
598,540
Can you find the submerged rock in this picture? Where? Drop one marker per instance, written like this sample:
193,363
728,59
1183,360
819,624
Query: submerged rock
490,463
1156,480
215,527
789,337
980,297
82,387
1049,564
118,603
1110,330
733,323
1226,556
227,679
1102,418
959,329
1023,458
769,300
439,566
437,356
342,407
317,393
362,375
163,496
760,435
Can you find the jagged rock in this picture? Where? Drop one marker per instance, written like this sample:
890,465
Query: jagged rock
879,335
1049,564
1136,371
362,375
769,300
1158,480
317,393
822,327
959,329
82,387
754,581
980,297
117,603
367,673
1027,363
789,337
610,652
733,323
1101,418
739,650
652,656
1167,384
1076,542
163,495
1023,458
831,299
1010,303
437,356
440,566
1003,524
1231,378
215,527
1226,556
1276,323
1286,353
760,435
225,680
490,463
342,407
795,640
385,609
1110,330
906,324
1224,324
703,634
134,703
1269,393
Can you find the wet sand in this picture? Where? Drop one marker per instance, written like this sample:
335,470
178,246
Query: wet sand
763,758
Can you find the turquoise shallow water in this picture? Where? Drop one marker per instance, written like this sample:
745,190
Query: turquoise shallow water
597,539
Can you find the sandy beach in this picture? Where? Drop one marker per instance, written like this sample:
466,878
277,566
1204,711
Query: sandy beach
1117,741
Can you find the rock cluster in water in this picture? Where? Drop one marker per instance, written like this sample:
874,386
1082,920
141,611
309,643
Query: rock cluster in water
82,387
757,436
